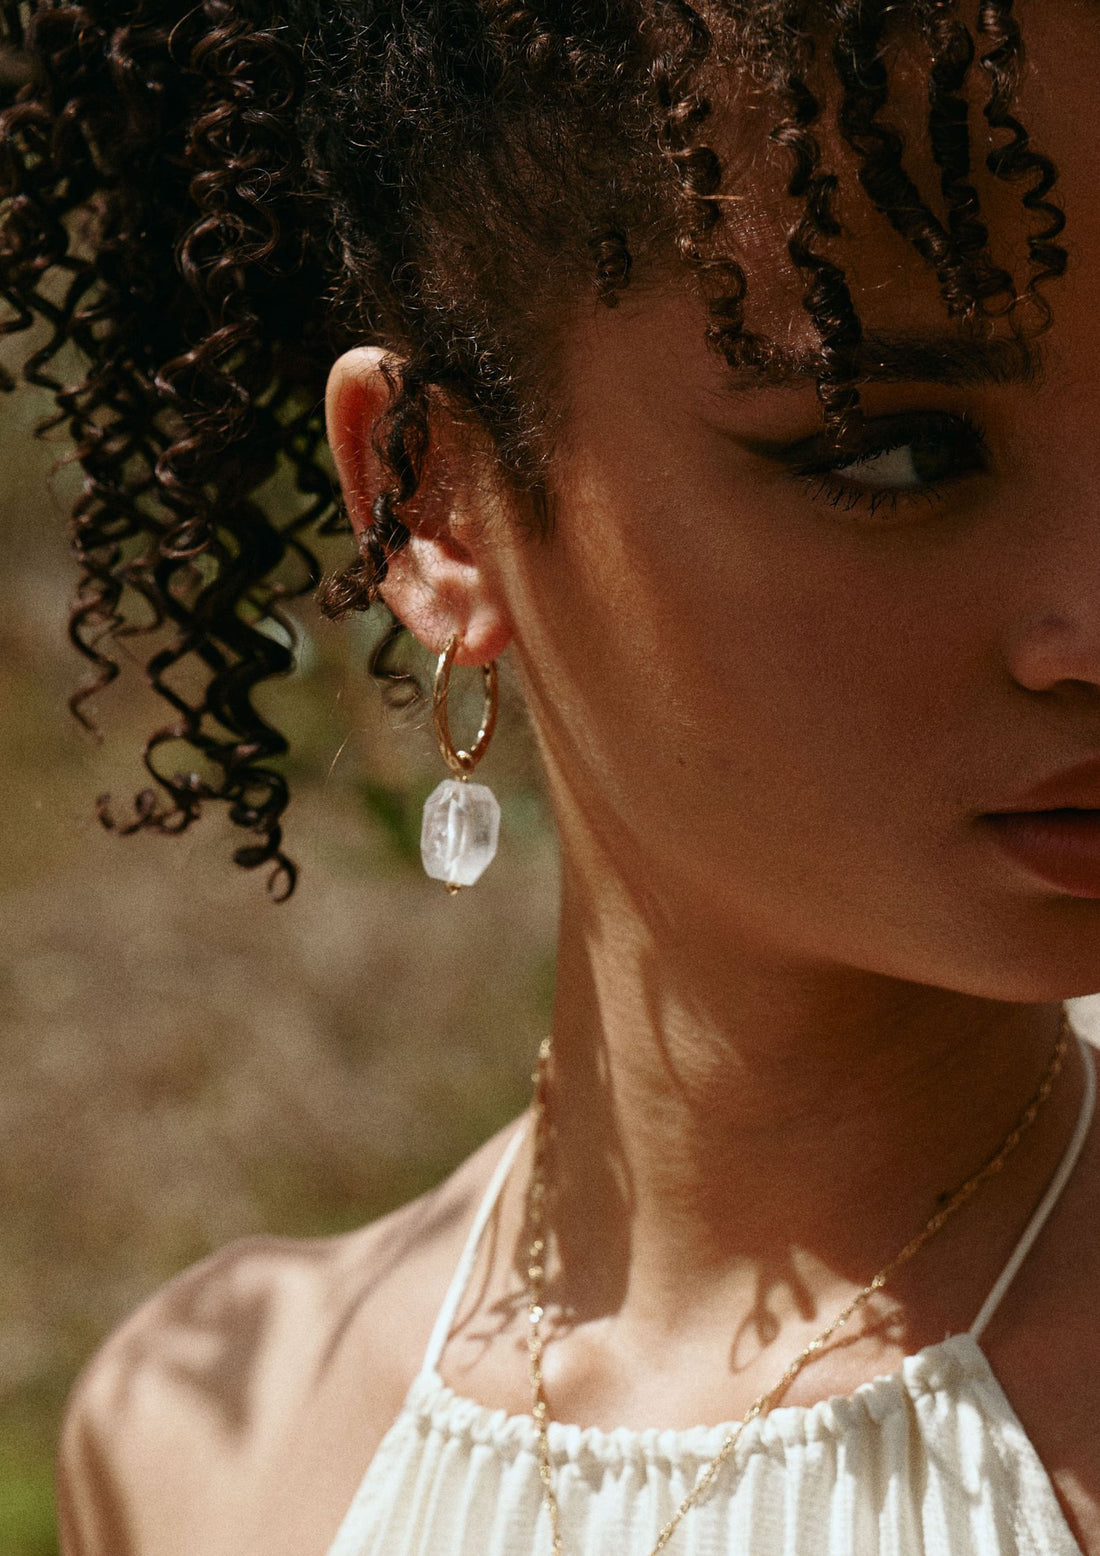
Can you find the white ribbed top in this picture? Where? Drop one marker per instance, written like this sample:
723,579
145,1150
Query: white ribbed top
928,1461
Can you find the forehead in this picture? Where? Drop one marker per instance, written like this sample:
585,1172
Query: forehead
896,291
649,353
646,360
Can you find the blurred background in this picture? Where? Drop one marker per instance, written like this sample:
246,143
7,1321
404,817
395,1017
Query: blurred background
183,1061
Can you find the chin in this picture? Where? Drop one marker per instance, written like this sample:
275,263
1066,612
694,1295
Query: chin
1037,974
1040,951
1057,956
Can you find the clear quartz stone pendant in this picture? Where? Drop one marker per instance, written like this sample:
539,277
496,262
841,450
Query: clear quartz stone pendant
459,834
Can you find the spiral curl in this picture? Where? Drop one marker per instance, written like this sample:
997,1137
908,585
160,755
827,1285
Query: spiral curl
1016,160
827,298
952,56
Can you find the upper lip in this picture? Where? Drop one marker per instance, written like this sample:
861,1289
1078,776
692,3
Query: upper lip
1074,788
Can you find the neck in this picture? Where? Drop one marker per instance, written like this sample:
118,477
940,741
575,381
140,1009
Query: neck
716,1113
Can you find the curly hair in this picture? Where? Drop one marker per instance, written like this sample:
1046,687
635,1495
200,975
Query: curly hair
204,204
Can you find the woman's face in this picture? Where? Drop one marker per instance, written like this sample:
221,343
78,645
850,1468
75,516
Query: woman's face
786,700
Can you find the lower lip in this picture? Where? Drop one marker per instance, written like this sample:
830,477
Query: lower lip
1060,847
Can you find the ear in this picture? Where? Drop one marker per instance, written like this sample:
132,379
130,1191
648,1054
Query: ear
440,582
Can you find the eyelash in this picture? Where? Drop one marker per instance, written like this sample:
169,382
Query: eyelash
963,433
848,497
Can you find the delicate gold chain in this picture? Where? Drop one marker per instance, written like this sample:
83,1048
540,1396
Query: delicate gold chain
536,1283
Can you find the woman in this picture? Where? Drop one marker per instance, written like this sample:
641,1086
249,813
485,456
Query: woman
723,365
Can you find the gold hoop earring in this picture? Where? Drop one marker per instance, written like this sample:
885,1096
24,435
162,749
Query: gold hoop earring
458,836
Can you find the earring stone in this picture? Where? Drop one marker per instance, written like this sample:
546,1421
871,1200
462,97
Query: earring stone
458,837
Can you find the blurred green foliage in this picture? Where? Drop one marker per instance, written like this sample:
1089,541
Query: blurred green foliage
27,1526
396,813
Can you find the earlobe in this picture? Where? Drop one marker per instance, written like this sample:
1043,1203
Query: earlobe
437,583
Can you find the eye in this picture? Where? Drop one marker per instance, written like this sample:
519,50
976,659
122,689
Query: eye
897,467
907,457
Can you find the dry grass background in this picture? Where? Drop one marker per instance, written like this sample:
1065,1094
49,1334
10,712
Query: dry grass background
184,1062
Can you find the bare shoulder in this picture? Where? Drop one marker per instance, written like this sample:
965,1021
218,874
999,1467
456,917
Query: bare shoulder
275,1360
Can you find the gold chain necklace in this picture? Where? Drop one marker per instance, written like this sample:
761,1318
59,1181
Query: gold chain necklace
536,1279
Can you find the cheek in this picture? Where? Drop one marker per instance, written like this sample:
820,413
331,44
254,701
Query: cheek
767,671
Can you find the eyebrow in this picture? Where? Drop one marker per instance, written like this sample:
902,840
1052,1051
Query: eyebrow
905,357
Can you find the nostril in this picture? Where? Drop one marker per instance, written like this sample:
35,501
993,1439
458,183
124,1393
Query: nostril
1056,651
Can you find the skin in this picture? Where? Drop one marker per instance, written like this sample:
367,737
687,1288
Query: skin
791,961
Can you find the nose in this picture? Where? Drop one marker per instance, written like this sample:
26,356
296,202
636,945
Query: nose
1058,650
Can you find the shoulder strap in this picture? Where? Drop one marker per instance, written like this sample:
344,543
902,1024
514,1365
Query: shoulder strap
461,1276
1050,1198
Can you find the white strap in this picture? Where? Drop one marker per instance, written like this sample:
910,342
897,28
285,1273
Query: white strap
1049,1199
461,1276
